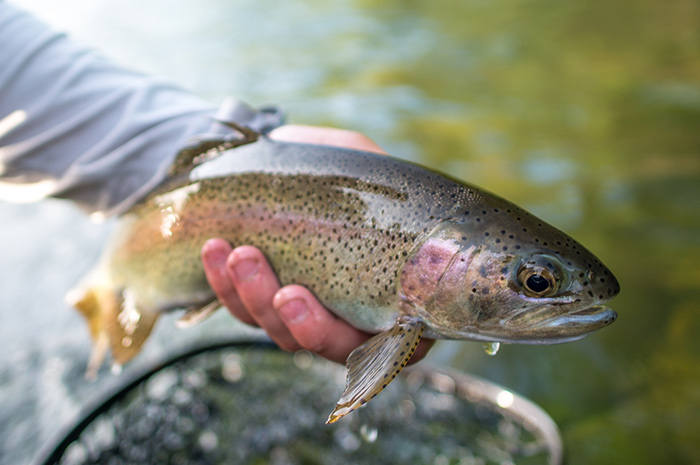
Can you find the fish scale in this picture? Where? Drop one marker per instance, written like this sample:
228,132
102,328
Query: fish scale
391,247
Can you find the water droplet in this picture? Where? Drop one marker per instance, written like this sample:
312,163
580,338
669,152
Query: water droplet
491,348
369,433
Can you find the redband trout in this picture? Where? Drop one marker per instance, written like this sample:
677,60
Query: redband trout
391,247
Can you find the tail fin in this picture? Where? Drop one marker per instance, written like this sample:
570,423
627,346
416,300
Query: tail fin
115,323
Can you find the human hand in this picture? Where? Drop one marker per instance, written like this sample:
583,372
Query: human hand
246,284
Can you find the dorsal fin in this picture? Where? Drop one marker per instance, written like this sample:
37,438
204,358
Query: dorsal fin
373,365
205,148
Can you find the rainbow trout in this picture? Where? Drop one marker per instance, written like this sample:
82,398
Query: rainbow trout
391,247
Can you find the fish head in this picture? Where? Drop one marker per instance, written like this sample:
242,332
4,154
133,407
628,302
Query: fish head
517,279
536,296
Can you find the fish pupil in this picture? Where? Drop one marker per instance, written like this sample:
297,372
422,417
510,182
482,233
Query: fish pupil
537,283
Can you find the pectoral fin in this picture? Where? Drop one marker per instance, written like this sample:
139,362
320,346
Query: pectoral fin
373,365
195,315
115,322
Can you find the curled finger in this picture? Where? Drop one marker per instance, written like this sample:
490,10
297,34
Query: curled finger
256,284
215,252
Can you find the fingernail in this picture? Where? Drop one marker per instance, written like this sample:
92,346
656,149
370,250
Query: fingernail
294,311
246,269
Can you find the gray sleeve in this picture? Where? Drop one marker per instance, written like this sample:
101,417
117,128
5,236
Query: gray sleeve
75,125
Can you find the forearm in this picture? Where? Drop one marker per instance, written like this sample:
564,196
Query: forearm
75,125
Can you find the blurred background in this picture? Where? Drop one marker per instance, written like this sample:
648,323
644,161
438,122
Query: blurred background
586,112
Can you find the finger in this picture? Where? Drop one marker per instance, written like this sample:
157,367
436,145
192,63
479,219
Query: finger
256,285
314,327
326,136
214,255
421,350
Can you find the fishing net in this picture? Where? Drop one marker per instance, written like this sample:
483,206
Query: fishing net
252,404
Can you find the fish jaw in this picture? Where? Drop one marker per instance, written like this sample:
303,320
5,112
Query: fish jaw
548,325
568,327
557,329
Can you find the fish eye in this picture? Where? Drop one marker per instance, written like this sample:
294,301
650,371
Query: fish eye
537,281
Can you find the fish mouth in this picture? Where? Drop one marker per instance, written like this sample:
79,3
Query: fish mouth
590,318
550,326
546,325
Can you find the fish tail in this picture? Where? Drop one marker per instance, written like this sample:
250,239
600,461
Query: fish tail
115,322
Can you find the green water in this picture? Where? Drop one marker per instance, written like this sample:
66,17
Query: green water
585,112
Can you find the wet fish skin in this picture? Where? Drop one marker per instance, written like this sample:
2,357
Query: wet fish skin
378,241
